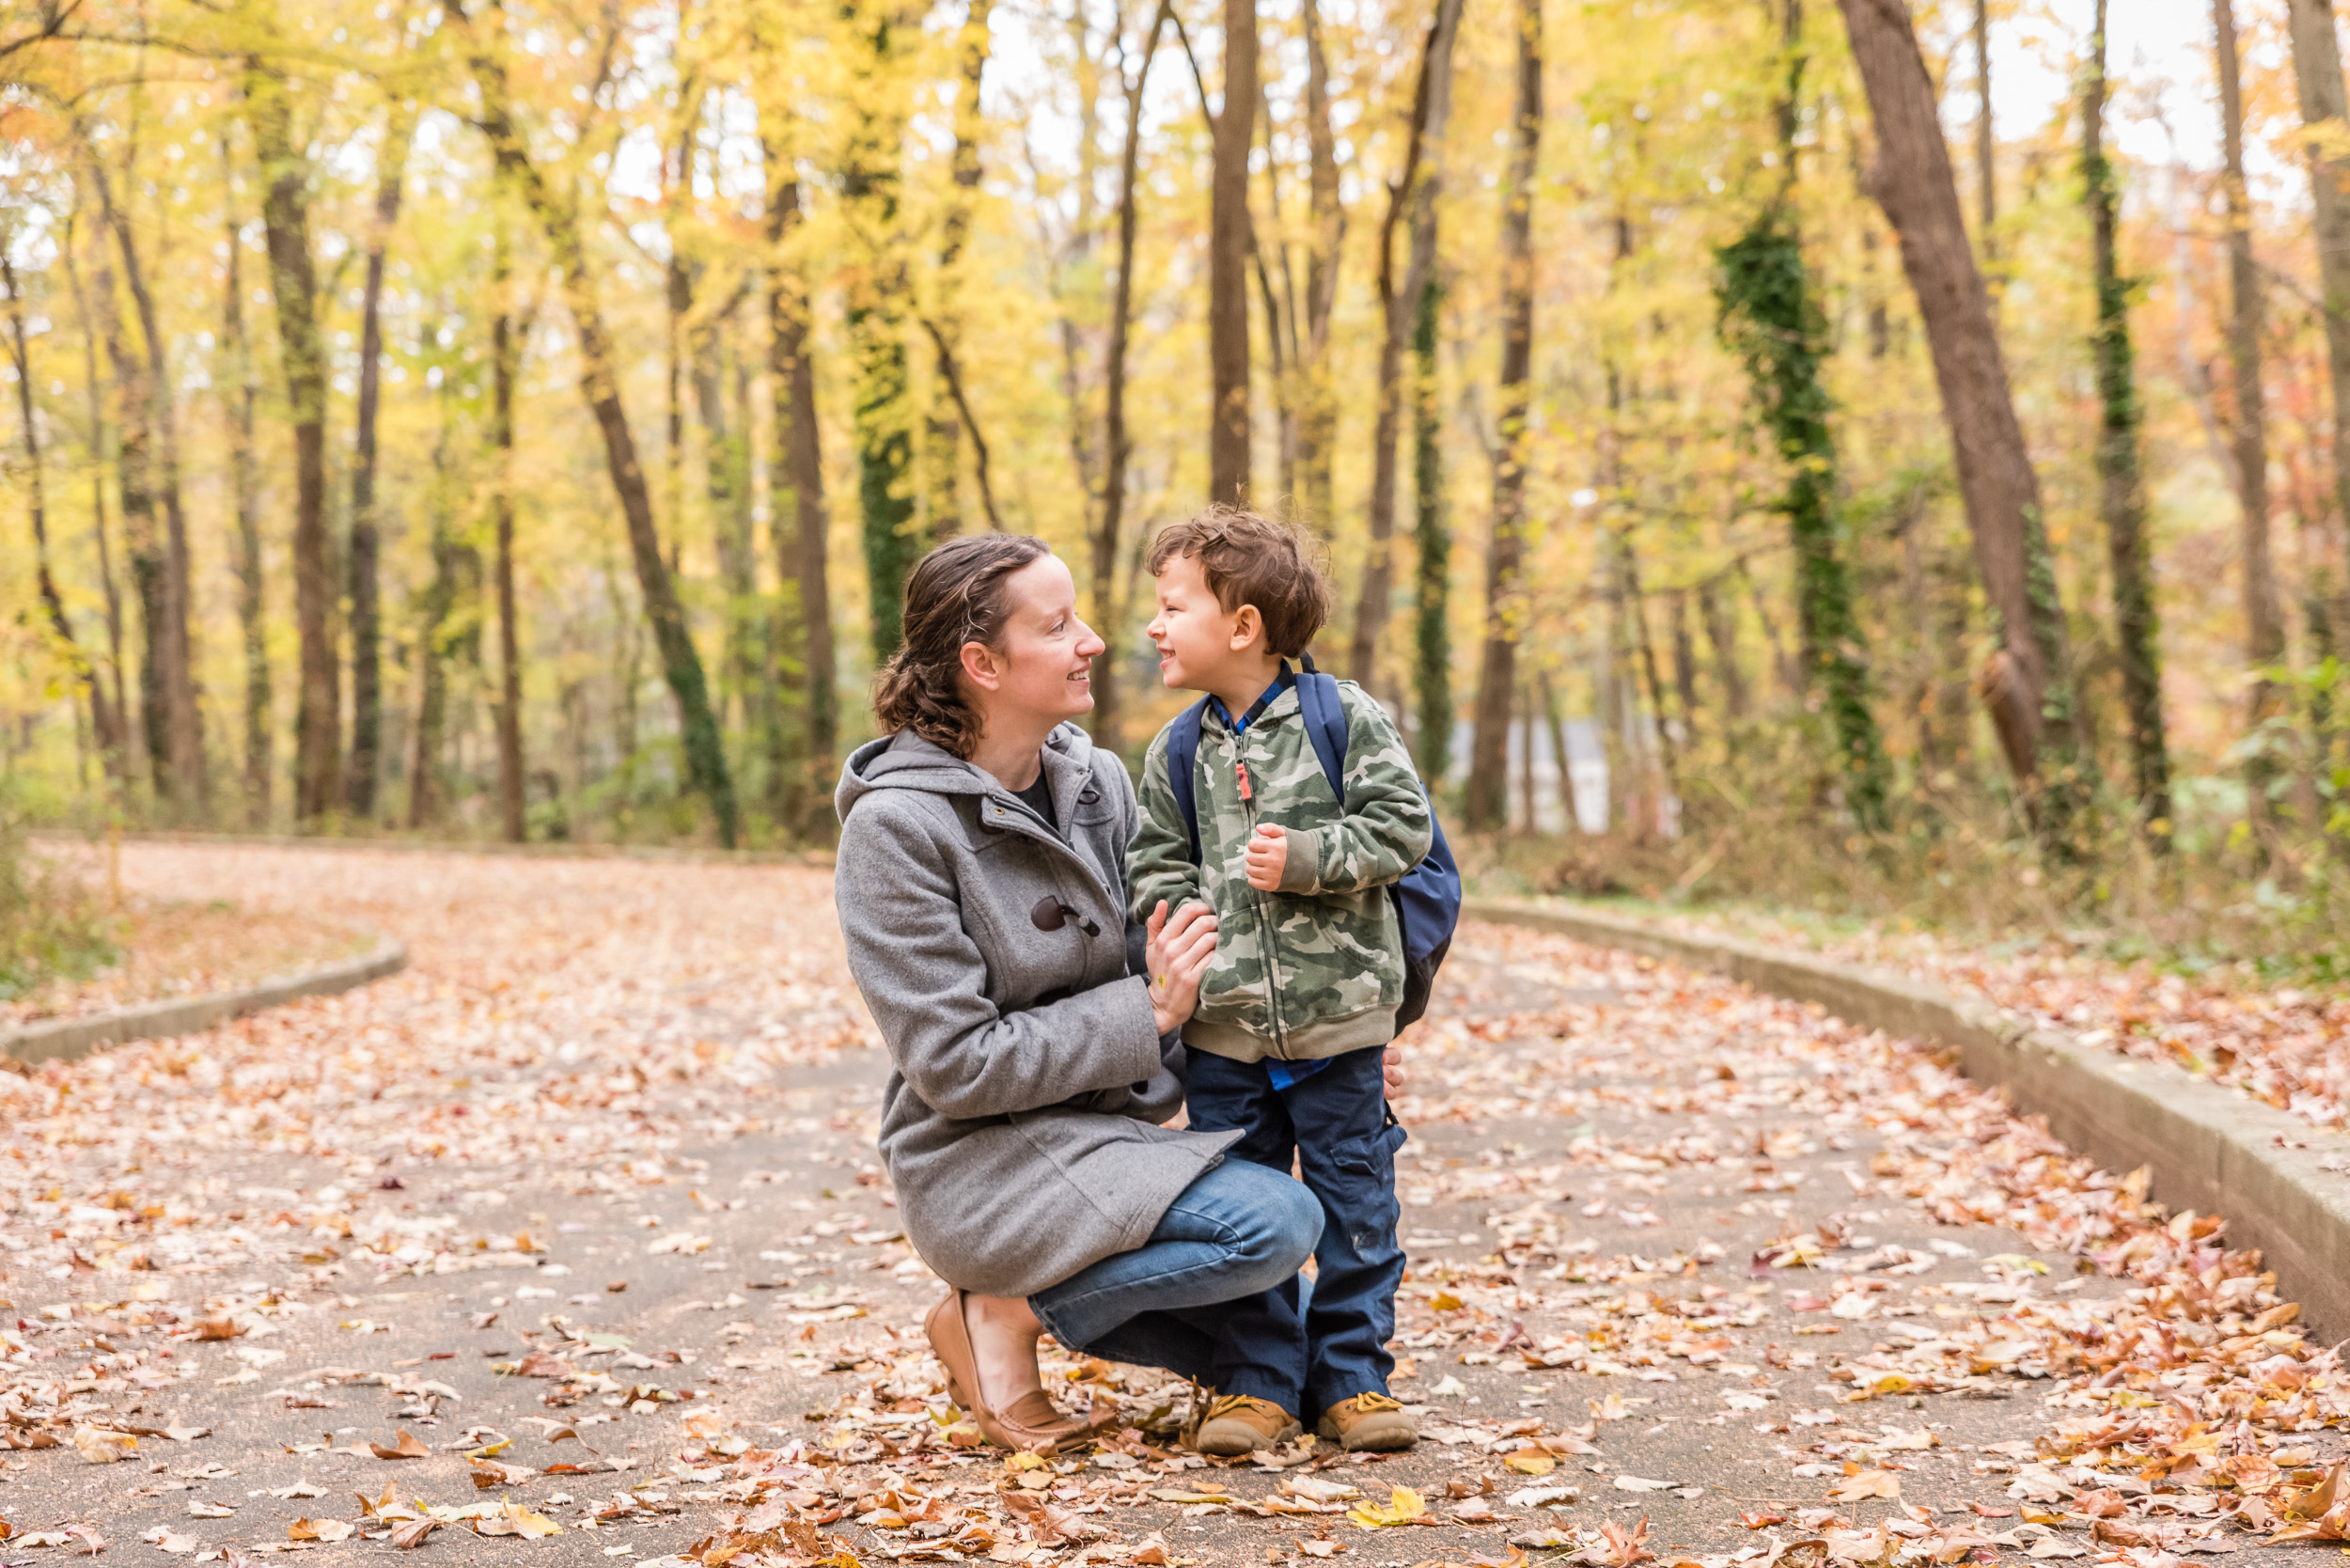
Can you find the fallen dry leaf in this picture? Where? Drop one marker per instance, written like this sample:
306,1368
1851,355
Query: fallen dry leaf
408,1447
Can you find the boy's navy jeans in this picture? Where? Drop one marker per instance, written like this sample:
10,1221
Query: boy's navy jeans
1337,1125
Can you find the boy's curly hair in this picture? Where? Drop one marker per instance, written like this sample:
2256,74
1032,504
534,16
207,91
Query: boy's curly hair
1251,559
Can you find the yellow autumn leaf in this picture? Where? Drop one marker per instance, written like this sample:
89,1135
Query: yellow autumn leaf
1403,1506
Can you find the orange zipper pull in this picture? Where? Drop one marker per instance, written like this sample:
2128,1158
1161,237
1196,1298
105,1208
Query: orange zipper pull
1242,770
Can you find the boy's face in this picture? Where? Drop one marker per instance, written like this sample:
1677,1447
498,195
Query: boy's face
1198,639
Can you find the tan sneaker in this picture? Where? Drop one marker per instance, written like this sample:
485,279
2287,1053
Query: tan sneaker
1242,1423
1367,1422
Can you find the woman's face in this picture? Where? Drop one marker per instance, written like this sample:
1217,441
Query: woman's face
1043,668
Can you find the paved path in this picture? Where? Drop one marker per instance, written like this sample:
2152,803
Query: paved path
584,1208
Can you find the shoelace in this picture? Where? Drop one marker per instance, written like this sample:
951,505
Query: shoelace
1233,1405
1367,1404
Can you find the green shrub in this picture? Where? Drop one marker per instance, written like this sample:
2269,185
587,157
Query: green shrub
50,926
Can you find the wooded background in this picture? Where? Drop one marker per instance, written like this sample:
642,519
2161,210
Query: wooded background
515,419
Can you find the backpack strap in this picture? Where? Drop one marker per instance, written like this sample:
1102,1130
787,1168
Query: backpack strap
1183,760
1324,714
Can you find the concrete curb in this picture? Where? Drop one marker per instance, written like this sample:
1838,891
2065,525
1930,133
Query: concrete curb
2210,1148
67,1039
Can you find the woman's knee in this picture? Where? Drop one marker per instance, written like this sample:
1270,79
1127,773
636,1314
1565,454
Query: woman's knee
1277,1229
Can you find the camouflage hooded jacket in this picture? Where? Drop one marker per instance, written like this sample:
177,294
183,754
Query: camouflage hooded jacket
1316,968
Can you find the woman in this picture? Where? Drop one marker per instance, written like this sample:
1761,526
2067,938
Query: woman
981,882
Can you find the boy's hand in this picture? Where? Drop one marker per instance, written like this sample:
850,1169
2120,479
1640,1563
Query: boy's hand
1268,854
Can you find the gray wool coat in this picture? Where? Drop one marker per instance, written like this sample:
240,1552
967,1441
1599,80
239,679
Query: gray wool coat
1022,1123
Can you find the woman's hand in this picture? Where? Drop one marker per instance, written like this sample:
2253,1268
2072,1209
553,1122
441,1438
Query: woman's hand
1178,952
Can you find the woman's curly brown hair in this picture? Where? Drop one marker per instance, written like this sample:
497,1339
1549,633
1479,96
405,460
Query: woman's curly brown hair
954,595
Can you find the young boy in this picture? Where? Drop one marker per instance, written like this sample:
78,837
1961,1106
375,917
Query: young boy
1294,1010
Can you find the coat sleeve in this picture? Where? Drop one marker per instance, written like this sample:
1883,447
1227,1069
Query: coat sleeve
1160,866
1387,826
925,981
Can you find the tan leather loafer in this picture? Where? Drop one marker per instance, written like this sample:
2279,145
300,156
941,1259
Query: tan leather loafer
1031,1424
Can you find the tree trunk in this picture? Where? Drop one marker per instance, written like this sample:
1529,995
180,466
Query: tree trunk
942,428
1721,634
118,760
679,275
427,790
1986,143
366,614
1557,730
556,211
293,287
1107,602
2317,73
1685,666
1431,534
726,485
876,310
1228,261
1325,219
505,359
795,480
85,667
184,724
1399,305
242,391
158,561
2122,494
1768,313
1505,609
1668,751
2028,684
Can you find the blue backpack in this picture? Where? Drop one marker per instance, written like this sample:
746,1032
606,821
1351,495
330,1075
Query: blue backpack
1427,897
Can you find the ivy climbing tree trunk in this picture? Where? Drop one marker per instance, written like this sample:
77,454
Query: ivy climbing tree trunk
2122,494
1413,189
1431,541
554,206
881,417
1505,549
1770,319
293,287
2027,685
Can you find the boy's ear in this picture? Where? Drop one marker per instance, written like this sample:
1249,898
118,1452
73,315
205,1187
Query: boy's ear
1247,628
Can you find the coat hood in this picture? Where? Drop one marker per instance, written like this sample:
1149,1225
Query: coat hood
906,760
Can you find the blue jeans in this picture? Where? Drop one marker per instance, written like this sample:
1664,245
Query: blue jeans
1337,1125
1191,1299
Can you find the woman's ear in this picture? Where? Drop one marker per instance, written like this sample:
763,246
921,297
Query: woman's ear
1247,626
980,668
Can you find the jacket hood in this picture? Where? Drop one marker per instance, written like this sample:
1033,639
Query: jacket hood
906,760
